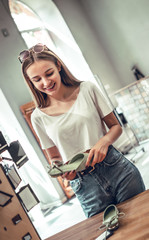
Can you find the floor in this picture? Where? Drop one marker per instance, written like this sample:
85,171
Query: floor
70,213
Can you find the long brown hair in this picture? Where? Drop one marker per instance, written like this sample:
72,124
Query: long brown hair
66,76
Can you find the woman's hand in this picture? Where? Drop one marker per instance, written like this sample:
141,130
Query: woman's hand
98,152
69,175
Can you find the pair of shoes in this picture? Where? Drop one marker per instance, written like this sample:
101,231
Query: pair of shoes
77,163
110,218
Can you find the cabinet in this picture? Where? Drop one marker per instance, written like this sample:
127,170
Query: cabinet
26,110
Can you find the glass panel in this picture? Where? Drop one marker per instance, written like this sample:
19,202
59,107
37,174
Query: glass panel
24,17
38,36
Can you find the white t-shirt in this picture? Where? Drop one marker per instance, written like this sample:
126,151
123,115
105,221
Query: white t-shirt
77,130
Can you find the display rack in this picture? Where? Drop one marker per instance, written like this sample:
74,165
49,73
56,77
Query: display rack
133,100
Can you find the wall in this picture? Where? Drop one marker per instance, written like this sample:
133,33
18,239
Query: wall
122,28
113,36
84,33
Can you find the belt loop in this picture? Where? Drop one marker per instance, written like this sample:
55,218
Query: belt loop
79,176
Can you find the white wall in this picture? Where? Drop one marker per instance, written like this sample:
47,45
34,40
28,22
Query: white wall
123,30
84,33
113,36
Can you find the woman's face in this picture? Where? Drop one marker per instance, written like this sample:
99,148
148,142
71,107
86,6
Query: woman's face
45,77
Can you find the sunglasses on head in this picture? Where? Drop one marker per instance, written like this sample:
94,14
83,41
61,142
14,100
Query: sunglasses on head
38,48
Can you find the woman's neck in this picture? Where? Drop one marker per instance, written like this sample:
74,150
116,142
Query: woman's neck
66,95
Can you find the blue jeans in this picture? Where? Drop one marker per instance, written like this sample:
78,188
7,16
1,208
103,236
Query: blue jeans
113,181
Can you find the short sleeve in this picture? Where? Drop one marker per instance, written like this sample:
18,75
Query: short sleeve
102,104
39,128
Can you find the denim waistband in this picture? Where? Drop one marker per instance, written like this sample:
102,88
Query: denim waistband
85,172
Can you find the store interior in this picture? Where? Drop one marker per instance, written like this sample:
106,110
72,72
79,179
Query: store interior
102,42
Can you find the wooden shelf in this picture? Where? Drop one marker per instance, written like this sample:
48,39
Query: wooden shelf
9,230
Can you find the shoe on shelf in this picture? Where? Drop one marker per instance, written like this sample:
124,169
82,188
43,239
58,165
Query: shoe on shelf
77,163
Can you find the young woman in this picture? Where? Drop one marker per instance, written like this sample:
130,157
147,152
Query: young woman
69,119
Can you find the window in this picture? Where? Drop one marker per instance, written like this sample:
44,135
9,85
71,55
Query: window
29,25
55,35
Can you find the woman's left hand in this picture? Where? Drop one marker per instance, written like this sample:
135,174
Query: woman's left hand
97,153
69,175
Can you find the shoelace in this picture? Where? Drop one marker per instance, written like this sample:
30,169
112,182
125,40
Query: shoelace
108,224
56,164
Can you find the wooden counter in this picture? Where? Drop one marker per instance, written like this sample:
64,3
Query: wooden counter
134,226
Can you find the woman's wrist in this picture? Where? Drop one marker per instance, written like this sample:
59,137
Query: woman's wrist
113,134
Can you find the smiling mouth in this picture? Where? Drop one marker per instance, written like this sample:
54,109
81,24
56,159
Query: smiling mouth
51,87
